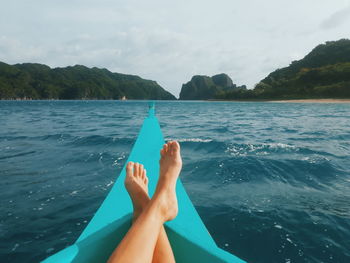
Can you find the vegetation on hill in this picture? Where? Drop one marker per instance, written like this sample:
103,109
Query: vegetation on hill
323,73
204,87
37,81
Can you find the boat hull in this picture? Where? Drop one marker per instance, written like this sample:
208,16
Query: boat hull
188,236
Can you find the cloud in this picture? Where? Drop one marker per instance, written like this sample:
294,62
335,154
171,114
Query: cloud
336,19
16,51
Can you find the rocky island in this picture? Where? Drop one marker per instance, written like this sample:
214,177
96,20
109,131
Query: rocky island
203,87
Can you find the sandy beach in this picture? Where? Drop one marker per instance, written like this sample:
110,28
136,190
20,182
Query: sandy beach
314,101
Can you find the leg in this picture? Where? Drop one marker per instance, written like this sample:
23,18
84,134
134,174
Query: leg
139,242
163,251
162,208
136,183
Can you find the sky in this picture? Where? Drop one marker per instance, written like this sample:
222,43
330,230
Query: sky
170,41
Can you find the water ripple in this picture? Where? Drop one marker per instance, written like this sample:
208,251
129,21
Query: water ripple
265,177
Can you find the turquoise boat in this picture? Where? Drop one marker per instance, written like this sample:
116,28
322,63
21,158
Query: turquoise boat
189,238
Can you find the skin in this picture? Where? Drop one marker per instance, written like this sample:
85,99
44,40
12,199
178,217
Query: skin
136,183
146,240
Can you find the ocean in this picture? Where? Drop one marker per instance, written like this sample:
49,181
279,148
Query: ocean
271,181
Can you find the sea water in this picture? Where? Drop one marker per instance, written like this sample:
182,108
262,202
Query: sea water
271,181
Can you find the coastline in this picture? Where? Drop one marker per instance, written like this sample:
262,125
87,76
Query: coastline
312,101
287,101
209,100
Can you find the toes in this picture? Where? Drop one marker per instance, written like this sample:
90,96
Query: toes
145,178
167,148
129,167
171,147
144,174
141,169
136,169
164,149
176,146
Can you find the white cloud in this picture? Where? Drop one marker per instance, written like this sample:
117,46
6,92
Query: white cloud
336,19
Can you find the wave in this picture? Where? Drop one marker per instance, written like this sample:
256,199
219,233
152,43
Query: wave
17,155
90,140
56,137
236,149
189,140
260,149
94,140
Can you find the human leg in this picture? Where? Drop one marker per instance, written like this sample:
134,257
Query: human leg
161,208
136,183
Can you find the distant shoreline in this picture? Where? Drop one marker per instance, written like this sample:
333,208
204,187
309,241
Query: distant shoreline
210,100
289,101
313,101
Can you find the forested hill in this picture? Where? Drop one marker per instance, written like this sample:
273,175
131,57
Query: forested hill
37,81
202,87
323,73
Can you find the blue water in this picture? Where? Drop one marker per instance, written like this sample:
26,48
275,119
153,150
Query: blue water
271,181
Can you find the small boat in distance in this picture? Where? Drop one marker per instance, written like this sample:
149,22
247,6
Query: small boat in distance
189,238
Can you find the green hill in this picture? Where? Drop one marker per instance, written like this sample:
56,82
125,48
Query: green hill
37,81
323,73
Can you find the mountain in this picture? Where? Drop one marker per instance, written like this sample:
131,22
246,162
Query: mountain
37,81
323,73
204,87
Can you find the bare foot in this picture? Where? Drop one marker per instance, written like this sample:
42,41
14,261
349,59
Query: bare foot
170,167
136,183
170,161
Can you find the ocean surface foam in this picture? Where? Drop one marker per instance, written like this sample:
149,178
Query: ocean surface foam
189,140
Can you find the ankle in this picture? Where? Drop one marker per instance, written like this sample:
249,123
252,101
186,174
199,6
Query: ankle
139,209
165,204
